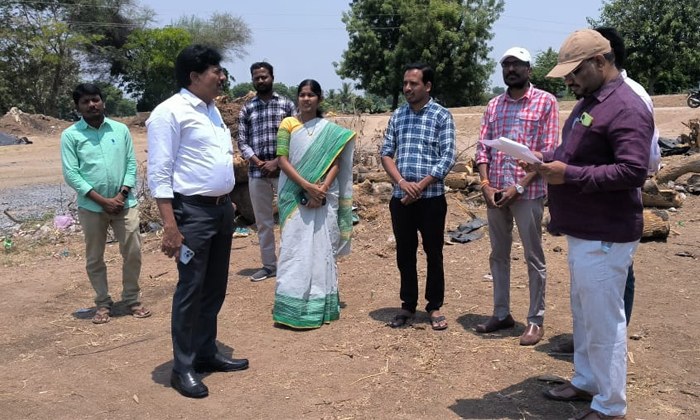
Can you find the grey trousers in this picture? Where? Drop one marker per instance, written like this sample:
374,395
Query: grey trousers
528,217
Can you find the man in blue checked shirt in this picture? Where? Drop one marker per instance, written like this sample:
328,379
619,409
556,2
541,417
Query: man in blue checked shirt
421,138
258,122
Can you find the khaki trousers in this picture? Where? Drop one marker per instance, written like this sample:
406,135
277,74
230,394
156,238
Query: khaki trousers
126,231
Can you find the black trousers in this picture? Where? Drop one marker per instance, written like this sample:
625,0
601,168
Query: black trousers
426,216
201,288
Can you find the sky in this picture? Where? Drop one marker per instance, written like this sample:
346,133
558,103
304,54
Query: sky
302,39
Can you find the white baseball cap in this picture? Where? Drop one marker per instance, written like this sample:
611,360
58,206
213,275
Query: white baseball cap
518,52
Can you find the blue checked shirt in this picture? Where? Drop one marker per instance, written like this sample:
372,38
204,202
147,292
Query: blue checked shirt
258,122
423,144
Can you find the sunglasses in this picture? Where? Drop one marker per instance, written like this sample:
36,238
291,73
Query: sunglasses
516,64
578,68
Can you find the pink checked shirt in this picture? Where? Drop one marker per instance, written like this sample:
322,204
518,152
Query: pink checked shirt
532,120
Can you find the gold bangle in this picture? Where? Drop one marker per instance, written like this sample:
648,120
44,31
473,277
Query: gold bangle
484,182
399,183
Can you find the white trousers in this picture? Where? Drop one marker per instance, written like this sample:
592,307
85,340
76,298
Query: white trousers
262,194
598,274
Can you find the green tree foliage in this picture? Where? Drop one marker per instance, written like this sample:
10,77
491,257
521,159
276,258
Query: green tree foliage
114,21
224,32
450,35
662,39
38,65
116,105
544,62
150,64
45,45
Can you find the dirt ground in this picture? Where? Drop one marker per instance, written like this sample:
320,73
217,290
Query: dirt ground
55,364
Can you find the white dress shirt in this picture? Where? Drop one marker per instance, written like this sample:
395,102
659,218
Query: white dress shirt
190,151
655,155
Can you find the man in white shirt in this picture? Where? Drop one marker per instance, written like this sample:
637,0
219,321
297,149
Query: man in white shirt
190,174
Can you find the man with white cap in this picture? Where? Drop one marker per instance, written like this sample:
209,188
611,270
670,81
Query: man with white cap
593,178
529,116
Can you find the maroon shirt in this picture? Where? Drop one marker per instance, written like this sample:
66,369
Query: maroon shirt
607,163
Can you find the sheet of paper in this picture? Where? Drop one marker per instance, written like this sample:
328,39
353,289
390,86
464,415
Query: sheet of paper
512,148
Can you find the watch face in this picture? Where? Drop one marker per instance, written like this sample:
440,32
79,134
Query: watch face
520,189
125,193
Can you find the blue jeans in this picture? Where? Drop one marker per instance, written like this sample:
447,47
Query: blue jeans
629,293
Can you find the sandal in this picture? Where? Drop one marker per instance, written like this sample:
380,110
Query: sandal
437,322
400,320
139,311
101,315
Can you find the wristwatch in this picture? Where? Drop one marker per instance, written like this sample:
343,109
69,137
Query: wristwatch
519,188
124,192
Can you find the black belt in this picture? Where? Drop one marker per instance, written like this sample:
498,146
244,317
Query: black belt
203,199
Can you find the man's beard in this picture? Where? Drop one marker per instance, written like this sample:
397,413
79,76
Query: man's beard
263,88
517,85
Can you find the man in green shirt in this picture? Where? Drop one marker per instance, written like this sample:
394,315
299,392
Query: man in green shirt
99,164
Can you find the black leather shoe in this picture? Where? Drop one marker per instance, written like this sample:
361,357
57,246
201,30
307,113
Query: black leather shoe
188,385
220,363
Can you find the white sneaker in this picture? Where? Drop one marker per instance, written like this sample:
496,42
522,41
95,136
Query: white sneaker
263,273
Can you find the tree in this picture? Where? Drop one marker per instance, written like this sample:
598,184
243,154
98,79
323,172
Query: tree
150,64
224,32
543,64
46,45
115,103
450,35
661,38
38,49
113,21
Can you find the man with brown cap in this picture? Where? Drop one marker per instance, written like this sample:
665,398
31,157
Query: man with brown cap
593,178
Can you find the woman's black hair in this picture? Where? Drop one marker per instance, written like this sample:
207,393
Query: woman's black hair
315,88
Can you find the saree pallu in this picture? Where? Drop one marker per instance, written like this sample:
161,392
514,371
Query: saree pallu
306,293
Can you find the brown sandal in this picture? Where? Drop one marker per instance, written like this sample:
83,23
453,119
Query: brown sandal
139,311
101,315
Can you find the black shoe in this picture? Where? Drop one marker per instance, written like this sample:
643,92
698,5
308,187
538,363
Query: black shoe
220,363
188,385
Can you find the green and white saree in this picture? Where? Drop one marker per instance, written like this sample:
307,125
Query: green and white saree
306,294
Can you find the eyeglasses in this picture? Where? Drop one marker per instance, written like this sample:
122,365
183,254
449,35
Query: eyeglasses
578,68
517,64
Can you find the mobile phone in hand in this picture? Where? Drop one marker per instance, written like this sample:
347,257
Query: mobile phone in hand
497,197
186,254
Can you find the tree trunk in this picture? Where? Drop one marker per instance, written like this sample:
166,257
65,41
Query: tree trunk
672,171
395,100
656,224
652,196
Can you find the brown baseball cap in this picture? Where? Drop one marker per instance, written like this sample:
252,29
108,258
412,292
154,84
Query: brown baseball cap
581,45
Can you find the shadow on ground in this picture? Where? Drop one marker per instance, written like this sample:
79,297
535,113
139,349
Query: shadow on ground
523,400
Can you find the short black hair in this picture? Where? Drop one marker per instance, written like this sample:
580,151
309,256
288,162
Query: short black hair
195,58
428,73
86,89
262,65
616,43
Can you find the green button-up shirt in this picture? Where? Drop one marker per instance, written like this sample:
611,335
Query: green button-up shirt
98,159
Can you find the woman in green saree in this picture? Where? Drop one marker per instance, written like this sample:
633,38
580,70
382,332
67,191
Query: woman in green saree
315,211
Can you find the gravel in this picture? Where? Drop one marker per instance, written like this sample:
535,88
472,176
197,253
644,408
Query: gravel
33,202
